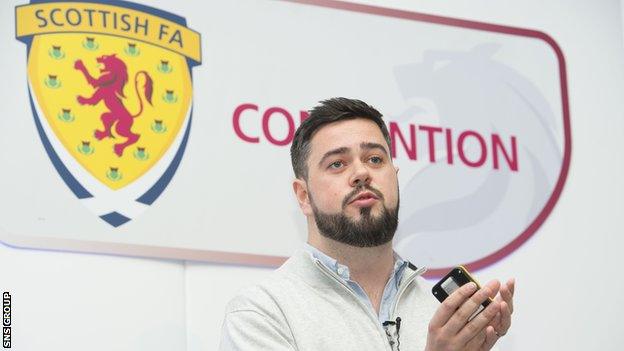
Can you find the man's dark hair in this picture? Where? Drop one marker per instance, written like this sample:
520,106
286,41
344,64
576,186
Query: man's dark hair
329,111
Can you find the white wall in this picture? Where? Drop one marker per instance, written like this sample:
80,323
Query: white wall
569,295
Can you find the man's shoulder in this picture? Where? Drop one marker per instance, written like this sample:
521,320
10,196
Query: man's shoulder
256,317
291,279
261,294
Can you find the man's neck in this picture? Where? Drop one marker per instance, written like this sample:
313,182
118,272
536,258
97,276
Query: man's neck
370,267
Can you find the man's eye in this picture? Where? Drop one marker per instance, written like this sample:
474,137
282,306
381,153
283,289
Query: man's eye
376,160
336,164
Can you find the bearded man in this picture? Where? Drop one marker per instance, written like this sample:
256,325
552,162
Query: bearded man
347,289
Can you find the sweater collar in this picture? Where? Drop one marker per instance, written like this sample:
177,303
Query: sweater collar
343,271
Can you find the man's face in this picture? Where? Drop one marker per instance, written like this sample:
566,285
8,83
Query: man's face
352,183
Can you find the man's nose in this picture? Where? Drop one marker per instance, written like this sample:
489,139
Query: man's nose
360,176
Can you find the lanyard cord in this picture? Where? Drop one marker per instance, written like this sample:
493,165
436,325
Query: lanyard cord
397,325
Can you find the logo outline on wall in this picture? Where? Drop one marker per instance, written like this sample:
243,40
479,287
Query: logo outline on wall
110,88
557,86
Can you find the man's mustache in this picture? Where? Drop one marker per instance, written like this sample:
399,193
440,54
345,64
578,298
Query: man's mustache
353,194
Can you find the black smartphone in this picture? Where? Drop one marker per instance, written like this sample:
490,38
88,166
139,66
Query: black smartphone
457,277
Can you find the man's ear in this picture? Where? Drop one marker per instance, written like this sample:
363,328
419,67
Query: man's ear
300,187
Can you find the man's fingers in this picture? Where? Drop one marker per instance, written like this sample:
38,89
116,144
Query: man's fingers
506,294
496,322
451,304
490,338
477,342
480,322
511,285
495,286
460,318
505,319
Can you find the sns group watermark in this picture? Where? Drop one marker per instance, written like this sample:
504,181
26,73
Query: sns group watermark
6,320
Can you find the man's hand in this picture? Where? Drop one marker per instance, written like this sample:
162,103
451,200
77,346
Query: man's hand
449,328
502,321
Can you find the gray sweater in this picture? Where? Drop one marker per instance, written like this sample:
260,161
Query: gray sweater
305,306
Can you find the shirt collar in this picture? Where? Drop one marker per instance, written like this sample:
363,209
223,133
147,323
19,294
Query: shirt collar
343,271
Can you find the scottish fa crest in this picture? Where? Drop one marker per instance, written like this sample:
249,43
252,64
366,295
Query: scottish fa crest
110,88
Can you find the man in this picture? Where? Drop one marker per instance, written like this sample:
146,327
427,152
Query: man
347,289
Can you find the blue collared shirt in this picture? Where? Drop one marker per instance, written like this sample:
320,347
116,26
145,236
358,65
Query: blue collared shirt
390,291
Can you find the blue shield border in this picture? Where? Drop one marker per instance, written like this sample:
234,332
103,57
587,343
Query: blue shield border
115,218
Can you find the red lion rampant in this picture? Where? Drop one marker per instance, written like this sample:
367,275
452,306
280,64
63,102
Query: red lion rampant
109,88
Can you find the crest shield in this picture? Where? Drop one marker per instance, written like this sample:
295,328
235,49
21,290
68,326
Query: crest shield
113,111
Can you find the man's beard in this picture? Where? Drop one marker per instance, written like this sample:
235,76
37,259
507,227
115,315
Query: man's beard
368,231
